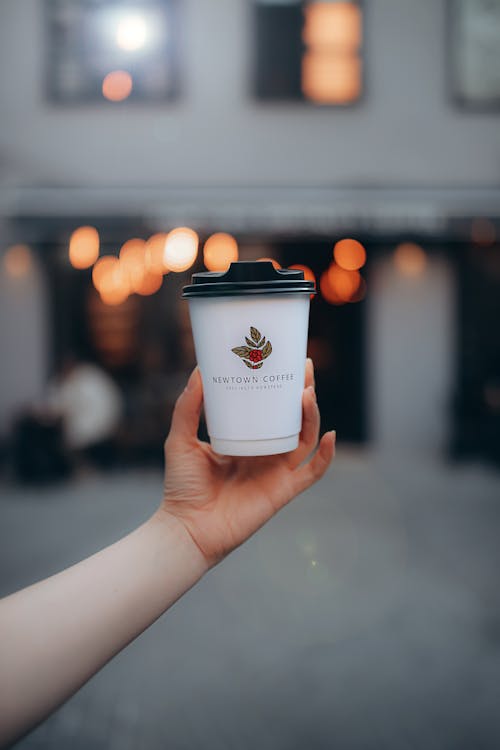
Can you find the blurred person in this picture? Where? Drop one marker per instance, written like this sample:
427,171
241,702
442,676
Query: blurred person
91,407
59,632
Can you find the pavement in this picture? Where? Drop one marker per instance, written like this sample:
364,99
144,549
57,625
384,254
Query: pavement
366,615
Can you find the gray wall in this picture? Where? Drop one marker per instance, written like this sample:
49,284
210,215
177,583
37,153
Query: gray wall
411,357
24,340
404,132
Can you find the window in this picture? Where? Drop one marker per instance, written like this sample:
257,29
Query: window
309,51
111,51
474,52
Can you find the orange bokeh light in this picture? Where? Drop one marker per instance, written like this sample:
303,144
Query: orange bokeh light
181,249
113,296
114,277
333,25
133,260
331,65
349,254
275,263
153,255
111,280
149,283
339,286
410,259
103,265
117,86
84,247
219,251
345,284
328,291
308,273
17,261
331,77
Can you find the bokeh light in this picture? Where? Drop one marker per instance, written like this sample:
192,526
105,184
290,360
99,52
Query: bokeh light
104,264
133,261
117,86
410,259
132,32
114,286
114,295
110,276
153,253
331,77
149,283
84,247
349,254
331,65
344,283
181,249
332,25
275,263
17,261
308,273
328,291
339,286
219,251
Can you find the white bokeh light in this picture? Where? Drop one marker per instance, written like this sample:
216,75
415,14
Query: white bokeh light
132,32
181,249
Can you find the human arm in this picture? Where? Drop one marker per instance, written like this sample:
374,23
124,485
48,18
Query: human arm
56,634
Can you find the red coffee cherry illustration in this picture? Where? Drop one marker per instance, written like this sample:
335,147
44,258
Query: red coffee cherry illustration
256,351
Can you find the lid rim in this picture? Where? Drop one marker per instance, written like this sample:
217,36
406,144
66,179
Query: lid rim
196,292
246,278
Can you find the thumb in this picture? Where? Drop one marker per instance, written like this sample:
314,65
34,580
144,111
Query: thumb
186,415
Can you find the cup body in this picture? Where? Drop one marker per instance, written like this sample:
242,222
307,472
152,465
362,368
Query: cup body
251,351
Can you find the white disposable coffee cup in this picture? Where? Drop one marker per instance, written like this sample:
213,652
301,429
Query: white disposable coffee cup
250,334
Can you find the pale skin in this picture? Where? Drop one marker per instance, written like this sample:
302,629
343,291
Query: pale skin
57,633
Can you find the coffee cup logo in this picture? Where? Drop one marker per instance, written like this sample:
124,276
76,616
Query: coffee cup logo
256,351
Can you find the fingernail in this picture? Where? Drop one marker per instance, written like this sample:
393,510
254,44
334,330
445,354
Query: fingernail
334,433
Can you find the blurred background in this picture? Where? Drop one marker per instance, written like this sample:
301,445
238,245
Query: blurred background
144,140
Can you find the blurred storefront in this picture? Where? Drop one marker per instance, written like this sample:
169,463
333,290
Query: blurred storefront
404,358
289,126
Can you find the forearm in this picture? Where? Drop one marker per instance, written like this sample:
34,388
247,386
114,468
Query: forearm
57,633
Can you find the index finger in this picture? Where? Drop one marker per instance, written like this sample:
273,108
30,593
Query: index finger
309,379
186,414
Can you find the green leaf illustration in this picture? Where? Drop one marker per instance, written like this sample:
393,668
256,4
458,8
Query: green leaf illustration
250,343
248,364
261,342
266,351
241,351
255,334
258,366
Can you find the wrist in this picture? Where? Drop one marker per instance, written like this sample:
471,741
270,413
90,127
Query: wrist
177,535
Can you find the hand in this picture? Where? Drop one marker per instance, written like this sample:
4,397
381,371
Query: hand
222,500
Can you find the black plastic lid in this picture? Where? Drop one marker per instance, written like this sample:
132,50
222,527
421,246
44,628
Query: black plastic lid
248,277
